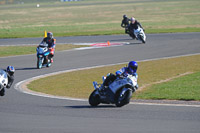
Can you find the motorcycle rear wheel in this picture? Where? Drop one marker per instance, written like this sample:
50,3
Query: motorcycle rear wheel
2,92
94,99
48,64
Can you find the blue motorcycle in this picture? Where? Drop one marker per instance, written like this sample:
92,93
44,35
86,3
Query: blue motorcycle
42,56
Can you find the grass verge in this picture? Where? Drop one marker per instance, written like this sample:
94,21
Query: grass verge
97,17
72,84
182,88
23,50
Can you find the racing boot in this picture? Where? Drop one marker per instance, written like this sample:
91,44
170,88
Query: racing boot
135,88
51,60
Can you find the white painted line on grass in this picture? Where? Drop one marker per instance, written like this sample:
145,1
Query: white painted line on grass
19,87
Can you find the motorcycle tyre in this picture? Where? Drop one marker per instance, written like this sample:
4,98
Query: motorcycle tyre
49,64
2,92
125,100
141,38
94,99
39,63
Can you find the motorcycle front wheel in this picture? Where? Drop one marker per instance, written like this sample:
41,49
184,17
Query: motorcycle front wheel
39,63
123,99
94,99
141,38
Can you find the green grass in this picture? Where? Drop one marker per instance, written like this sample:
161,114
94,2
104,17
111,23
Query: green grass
72,84
183,88
97,17
23,50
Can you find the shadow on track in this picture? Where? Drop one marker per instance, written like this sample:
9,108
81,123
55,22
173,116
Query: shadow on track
28,68
88,106
120,40
135,43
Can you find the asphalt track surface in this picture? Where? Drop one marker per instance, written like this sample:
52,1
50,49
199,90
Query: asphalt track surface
21,112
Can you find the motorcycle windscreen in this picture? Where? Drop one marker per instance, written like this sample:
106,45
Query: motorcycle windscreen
42,50
132,80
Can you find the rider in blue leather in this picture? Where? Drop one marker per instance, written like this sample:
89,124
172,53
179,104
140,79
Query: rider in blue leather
125,71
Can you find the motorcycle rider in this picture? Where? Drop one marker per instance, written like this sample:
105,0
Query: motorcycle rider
10,73
125,23
125,71
134,25
51,44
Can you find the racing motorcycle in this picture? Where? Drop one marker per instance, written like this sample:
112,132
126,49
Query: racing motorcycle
139,34
119,92
3,82
42,56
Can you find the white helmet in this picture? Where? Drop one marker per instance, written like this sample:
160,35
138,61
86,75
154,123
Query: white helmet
132,20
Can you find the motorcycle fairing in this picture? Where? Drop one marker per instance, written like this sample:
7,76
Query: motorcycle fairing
3,79
118,83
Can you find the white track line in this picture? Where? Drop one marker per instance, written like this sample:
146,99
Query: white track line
21,86
165,104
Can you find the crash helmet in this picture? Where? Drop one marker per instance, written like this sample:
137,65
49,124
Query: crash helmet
10,70
132,67
124,16
49,35
132,20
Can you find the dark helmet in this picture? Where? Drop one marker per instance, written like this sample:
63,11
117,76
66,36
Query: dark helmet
132,67
124,16
10,70
50,35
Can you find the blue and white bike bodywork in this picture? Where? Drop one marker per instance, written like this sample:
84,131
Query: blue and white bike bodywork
42,56
119,92
3,82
